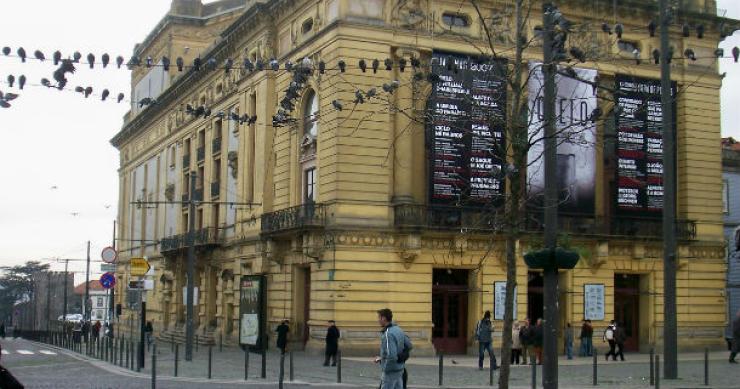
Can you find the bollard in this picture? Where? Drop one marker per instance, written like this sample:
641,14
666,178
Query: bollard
339,366
490,370
246,363
172,342
154,366
210,360
282,370
706,367
657,372
120,352
105,346
113,350
533,359
127,355
441,368
652,372
264,363
177,356
290,370
133,354
596,368
220,342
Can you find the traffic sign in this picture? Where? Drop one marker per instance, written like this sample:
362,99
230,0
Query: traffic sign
109,255
108,267
139,266
108,280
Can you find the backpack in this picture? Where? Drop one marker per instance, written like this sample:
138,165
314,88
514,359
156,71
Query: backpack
477,331
405,354
609,333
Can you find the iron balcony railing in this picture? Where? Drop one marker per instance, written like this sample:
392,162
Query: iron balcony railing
204,237
303,216
215,189
414,216
216,145
201,153
186,162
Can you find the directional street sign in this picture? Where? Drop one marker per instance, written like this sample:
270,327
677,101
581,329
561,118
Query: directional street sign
139,266
107,280
109,255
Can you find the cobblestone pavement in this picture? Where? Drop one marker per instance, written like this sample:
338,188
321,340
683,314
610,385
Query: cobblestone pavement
459,371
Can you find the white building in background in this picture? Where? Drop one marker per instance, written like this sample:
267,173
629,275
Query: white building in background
99,300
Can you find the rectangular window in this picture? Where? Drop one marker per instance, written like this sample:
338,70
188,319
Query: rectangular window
309,189
100,302
455,20
725,196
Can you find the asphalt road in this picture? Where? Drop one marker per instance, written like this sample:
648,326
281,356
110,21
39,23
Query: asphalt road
38,366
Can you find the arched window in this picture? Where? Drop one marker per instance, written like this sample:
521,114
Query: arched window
311,115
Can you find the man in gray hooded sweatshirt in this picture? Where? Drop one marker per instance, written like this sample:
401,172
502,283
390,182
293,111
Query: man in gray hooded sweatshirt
392,359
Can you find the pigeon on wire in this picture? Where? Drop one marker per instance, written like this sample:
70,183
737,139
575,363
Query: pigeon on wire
57,56
6,50
11,80
119,61
21,54
147,101
76,57
45,82
91,60
105,94
106,59
180,63
60,75
5,98
120,97
39,55
21,82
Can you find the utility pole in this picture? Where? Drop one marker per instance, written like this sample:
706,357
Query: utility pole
670,325
86,309
189,332
112,297
550,325
48,301
66,278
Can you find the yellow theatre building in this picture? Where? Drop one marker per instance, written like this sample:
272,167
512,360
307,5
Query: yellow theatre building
344,212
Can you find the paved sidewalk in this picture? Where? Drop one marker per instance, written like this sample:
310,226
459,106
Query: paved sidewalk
459,371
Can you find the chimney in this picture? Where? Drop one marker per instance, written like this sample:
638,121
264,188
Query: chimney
186,7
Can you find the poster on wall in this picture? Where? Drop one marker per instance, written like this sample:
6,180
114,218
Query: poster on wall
576,137
466,118
639,145
251,312
499,300
593,302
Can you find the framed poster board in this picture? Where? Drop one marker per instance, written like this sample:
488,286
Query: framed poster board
499,300
593,302
252,318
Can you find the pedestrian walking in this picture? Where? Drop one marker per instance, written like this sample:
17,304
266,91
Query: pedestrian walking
483,331
149,334
568,341
537,340
86,330
587,334
516,344
525,336
395,348
282,336
109,329
735,338
620,336
609,333
2,330
332,344
96,330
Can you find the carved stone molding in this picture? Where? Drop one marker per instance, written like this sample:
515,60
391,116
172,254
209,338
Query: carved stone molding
409,249
598,257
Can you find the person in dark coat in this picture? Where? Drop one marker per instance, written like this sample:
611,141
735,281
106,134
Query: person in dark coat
735,338
2,330
282,336
587,334
537,340
620,336
332,344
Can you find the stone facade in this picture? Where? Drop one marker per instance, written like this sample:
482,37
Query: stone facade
349,251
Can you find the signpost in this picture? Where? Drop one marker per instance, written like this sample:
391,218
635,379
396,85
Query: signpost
139,267
107,267
108,280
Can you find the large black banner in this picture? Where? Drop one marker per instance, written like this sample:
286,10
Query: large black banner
466,119
639,145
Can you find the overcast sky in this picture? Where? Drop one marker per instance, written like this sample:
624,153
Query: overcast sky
57,168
